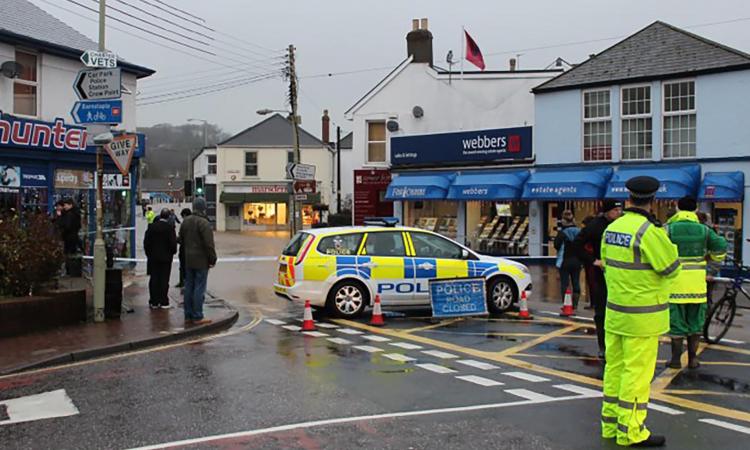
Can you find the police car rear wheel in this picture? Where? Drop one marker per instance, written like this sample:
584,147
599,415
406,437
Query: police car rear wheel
347,299
501,294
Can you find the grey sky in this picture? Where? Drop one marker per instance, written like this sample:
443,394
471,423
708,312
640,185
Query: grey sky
348,35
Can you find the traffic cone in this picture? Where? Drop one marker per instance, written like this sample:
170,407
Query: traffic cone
523,306
567,309
377,314
307,318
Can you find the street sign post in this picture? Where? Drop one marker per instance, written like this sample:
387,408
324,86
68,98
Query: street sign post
97,111
121,151
93,58
299,171
98,84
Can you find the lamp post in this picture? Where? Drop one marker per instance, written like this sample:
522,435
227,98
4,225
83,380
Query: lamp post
190,153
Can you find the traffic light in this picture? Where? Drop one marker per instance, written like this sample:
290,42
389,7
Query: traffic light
199,186
188,188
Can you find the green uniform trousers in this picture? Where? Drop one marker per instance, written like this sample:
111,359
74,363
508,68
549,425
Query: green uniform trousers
627,384
686,319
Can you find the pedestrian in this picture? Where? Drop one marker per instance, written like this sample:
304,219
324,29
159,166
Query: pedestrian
200,255
568,264
687,299
150,214
160,245
143,207
70,226
589,249
181,254
588,246
173,220
640,263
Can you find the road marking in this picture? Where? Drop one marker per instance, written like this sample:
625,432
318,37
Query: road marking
442,323
732,341
529,395
541,339
665,409
374,338
291,327
436,368
526,376
327,325
275,322
349,331
47,405
341,341
486,382
399,357
315,334
342,420
578,390
406,345
477,364
583,318
439,354
368,348
727,425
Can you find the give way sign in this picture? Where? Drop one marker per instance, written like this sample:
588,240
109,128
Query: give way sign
121,151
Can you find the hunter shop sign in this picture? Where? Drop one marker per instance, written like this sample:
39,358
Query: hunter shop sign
34,134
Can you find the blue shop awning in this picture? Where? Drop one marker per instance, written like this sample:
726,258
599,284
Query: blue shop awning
419,187
488,186
567,184
722,186
676,181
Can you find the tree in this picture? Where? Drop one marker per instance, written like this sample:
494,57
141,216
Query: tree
169,147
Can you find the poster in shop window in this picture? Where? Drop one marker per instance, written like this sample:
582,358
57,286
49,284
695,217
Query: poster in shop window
10,176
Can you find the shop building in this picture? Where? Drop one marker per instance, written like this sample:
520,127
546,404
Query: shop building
43,156
663,102
254,191
204,176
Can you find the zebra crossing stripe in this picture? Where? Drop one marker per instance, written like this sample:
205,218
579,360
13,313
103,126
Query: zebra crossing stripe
436,368
375,338
368,348
439,354
291,327
665,409
525,376
349,331
578,390
727,425
399,357
406,345
275,322
486,382
529,395
327,325
314,334
477,364
340,341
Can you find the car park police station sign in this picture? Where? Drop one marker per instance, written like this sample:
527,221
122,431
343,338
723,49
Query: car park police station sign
458,297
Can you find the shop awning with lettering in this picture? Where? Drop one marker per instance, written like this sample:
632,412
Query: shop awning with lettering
676,181
561,184
505,185
419,187
722,186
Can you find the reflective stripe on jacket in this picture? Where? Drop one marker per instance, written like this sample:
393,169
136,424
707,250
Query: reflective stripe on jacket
640,263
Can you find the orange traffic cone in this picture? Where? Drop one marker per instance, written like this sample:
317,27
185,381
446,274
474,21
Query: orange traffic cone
567,309
523,306
307,318
377,314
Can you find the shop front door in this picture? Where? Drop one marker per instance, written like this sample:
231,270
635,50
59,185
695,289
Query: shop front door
233,218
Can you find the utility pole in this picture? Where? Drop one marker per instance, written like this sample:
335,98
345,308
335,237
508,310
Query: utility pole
338,169
296,217
100,252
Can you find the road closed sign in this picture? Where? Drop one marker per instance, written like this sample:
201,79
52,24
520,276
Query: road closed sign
121,150
458,297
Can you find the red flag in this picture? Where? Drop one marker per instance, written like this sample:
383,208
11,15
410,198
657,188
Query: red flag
473,54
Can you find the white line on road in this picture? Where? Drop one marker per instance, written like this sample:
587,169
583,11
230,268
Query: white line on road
406,345
399,357
291,327
368,348
374,338
525,376
327,325
665,409
341,341
349,331
436,368
530,395
578,390
342,420
732,341
439,354
486,382
275,322
315,334
583,318
47,405
477,364
727,425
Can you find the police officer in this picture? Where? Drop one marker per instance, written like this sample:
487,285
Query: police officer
640,263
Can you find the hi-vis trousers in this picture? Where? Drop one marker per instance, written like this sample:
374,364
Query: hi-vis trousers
627,384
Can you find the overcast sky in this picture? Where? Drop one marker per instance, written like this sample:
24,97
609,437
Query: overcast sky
334,36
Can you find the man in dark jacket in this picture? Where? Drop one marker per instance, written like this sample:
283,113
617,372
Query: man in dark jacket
197,237
588,246
160,245
69,226
181,253
567,260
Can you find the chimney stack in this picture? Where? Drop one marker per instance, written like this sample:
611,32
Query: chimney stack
419,42
326,124
512,64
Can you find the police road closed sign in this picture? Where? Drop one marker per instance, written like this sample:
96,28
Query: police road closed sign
457,297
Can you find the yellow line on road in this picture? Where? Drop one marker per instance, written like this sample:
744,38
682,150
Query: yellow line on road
702,407
700,392
724,363
434,325
725,348
541,339
665,378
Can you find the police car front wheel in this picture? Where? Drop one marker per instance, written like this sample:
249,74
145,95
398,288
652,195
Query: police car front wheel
501,294
348,299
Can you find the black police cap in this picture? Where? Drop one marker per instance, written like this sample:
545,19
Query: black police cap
642,187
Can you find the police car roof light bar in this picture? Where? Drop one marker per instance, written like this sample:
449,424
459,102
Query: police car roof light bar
381,221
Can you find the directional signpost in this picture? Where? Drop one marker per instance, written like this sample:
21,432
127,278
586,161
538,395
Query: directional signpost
299,171
98,111
121,151
98,84
93,58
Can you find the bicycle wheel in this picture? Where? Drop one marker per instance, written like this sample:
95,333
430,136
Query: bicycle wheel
719,319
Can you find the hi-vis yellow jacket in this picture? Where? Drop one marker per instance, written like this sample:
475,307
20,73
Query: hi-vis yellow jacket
640,263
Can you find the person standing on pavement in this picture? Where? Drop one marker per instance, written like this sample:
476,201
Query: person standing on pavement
160,245
70,226
640,263
197,237
568,264
590,237
687,300
181,254
150,215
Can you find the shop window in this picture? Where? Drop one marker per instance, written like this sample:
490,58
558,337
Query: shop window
343,244
438,215
290,157
386,243
498,228
26,85
264,213
597,126
376,142
251,164
679,119
431,246
636,123
211,164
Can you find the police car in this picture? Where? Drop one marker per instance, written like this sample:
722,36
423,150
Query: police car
343,269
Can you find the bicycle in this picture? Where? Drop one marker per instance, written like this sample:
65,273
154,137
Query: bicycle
721,312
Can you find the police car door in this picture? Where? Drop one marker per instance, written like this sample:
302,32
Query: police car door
384,258
435,257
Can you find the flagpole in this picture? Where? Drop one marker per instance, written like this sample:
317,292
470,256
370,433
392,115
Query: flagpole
463,49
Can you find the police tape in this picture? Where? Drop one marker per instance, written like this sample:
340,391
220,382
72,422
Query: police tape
238,259
110,230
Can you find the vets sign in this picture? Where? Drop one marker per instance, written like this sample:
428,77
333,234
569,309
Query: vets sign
458,297
121,151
